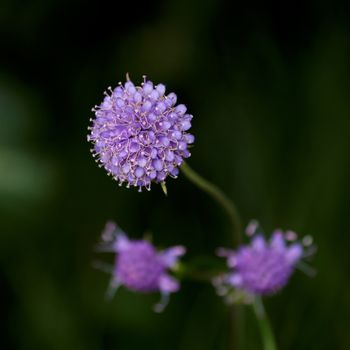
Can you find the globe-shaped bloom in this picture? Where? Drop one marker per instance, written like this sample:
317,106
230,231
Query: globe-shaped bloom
139,134
263,267
139,266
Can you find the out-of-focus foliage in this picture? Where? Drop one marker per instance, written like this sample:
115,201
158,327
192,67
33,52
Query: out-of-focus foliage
269,88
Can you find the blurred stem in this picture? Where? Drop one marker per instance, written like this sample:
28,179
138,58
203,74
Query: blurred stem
238,327
219,196
267,336
236,314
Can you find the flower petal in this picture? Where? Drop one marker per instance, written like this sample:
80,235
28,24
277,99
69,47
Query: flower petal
170,256
277,241
294,253
258,242
235,279
121,243
168,284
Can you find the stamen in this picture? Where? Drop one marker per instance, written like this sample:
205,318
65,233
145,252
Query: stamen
307,241
252,228
291,236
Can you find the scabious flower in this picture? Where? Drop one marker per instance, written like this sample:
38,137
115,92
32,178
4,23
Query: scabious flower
139,266
263,267
140,134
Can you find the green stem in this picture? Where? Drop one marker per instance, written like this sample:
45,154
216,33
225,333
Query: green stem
236,316
220,197
264,325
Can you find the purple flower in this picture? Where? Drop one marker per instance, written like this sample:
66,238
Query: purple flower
263,267
139,266
140,134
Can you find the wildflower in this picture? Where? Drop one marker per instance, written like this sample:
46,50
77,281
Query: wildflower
140,134
138,266
263,267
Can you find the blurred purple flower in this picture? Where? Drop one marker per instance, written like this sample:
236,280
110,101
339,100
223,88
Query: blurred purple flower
139,266
140,134
263,267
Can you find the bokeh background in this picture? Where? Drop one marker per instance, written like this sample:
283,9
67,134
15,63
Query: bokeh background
268,84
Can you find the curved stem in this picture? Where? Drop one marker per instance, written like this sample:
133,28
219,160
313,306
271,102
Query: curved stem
220,197
264,325
236,316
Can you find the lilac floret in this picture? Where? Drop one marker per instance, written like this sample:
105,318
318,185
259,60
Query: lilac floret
139,266
140,135
263,267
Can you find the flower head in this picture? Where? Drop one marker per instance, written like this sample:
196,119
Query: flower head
139,266
263,267
140,134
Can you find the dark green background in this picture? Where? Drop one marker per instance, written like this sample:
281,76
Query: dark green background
268,85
